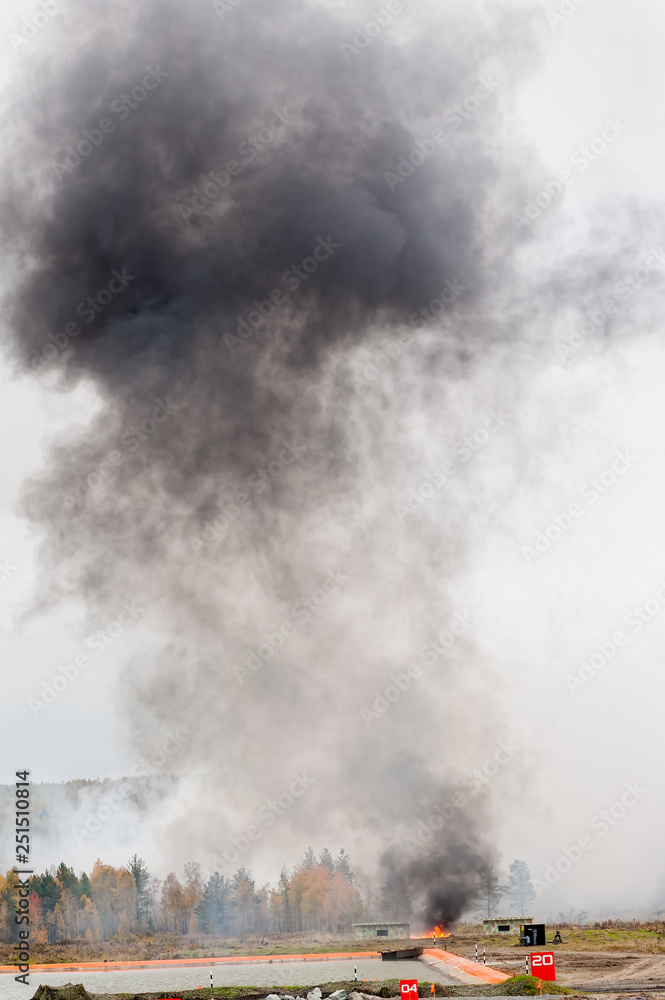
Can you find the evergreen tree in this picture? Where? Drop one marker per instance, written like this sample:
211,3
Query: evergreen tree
285,894
84,886
491,892
326,860
47,889
395,902
309,861
520,886
241,877
139,871
212,911
66,879
343,865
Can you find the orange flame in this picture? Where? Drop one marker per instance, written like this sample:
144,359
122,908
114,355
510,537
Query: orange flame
434,932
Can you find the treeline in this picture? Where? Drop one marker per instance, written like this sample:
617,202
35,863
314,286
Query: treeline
317,895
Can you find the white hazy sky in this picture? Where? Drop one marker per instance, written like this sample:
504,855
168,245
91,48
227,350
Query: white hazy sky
603,61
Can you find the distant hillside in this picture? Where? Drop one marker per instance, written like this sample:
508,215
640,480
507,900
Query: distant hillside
69,814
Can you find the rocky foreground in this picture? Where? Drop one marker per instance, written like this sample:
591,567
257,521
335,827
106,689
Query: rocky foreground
387,990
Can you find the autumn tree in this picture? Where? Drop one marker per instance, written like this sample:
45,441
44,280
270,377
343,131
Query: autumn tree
173,903
114,897
316,895
193,892
37,925
66,915
342,904
243,897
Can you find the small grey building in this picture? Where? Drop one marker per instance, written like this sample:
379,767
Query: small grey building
367,932
505,925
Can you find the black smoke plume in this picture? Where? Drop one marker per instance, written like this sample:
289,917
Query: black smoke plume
245,453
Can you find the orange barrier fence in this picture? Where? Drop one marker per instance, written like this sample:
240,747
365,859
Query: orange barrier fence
167,963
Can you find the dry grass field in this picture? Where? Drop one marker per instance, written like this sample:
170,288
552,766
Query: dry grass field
614,953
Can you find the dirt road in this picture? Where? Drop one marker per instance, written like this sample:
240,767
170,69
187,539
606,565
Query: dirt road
606,972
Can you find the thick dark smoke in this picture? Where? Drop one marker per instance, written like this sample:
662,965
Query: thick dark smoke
239,475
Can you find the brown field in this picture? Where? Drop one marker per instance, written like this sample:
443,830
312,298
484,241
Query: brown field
615,957
618,957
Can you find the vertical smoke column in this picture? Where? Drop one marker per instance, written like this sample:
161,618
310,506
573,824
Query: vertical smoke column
263,211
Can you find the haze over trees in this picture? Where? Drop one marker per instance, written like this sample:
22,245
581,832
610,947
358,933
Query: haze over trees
319,894
520,887
316,895
491,893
